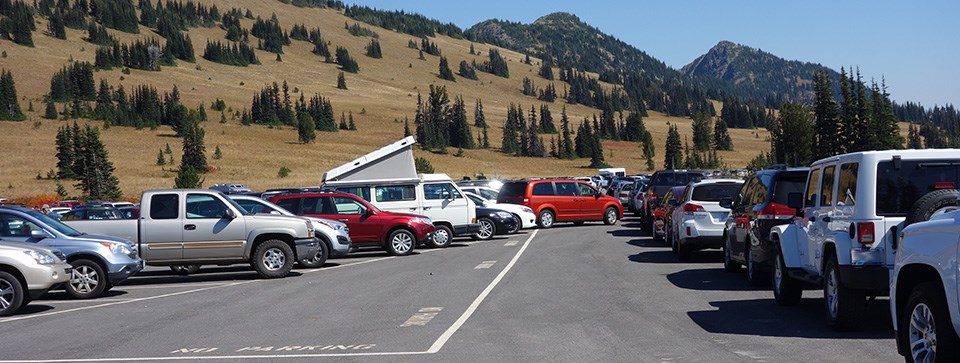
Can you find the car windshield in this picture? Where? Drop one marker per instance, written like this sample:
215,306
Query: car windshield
715,192
475,198
239,207
55,224
261,206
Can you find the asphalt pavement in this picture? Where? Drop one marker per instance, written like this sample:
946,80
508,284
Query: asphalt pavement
570,293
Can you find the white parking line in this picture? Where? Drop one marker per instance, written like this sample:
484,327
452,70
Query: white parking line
422,317
511,243
167,286
76,301
485,264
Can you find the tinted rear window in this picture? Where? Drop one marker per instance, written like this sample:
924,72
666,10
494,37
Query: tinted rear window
898,189
715,192
518,189
786,184
543,189
675,179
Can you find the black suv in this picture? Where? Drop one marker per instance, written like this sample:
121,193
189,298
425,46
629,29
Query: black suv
660,183
760,206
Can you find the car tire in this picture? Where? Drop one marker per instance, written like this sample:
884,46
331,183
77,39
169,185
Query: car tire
754,275
933,203
611,216
843,306
925,315
546,219
787,291
673,243
729,265
653,231
184,270
88,280
519,224
273,259
400,243
318,259
442,237
12,296
684,253
487,230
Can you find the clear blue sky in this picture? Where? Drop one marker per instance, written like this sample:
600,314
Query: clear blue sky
914,44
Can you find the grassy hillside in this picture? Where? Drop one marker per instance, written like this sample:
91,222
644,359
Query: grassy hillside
384,90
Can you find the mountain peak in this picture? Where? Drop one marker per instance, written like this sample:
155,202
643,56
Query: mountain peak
558,17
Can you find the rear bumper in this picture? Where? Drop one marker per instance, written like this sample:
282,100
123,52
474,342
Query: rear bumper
875,278
466,229
307,246
702,241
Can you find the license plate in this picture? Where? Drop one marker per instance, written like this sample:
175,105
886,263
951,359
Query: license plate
719,215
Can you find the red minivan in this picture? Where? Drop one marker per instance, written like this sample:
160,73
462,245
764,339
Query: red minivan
397,233
562,200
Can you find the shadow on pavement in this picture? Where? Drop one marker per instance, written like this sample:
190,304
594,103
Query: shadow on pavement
206,274
763,317
626,233
60,295
32,308
711,279
647,242
709,256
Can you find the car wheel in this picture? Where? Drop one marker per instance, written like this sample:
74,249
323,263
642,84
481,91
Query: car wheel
519,224
844,306
925,323
754,277
400,243
88,280
317,259
273,259
673,243
545,219
729,265
185,269
487,229
442,237
932,204
653,231
786,290
11,294
611,216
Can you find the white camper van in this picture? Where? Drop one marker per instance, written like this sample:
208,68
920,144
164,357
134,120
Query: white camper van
387,178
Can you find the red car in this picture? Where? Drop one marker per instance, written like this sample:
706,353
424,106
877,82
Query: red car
662,212
562,200
397,233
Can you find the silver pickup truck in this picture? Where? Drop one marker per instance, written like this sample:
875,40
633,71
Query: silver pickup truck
192,227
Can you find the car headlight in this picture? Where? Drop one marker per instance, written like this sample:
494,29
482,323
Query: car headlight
329,225
527,210
424,220
40,257
117,248
504,215
310,229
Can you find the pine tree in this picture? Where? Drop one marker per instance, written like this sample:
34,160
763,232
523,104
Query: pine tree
343,122
913,137
826,113
702,132
194,151
351,125
306,129
546,121
161,160
223,117
51,111
721,137
673,156
459,129
849,131
65,153
509,143
341,81
792,136
96,173
406,127
596,158
445,72
885,125
485,142
479,120
566,147
9,103
167,150
188,178
217,154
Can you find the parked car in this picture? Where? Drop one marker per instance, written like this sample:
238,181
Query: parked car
635,197
852,207
521,213
760,205
334,235
623,192
663,209
131,212
698,220
27,271
397,233
230,188
193,227
660,183
561,200
485,192
99,262
69,203
90,213
494,222
924,299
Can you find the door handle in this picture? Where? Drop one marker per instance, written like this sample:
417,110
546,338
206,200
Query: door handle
413,208
343,219
189,227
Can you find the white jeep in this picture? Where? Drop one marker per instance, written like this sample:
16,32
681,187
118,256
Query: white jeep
853,208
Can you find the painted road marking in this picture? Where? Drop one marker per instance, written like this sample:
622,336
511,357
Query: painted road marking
168,286
511,243
485,264
422,317
76,301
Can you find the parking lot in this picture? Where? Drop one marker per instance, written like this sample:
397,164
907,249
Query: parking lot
570,293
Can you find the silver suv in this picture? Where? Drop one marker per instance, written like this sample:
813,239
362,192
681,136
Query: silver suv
99,262
27,271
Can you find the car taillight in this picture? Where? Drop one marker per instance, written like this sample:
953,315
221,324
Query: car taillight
864,232
776,211
690,208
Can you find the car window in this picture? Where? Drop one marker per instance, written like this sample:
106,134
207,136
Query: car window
254,207
487,193
826,186
586,190
201,206
349,206
714,192
102,213
545,188
514,189
440,191
313,205
396,193
290,204
847,185
165,206
667,198
16,226
362,192
566,189
476,200
813,182
787,184
899,186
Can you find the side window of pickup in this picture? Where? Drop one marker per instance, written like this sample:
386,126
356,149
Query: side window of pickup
164,206
204,206
813,184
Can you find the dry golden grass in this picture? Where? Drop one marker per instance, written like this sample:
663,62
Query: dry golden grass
386,89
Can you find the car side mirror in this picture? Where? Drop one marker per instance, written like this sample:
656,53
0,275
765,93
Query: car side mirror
275,212
726,202
39,234
230,214
795,201
368,212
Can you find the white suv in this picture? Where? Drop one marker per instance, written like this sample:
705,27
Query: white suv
853,206
698,220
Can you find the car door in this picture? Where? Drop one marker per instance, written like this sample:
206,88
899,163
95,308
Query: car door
364,227
811,203
568,201
591,207
208,232
739,215
161,228
442,201
821,220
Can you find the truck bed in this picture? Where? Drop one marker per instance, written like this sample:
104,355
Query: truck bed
122,228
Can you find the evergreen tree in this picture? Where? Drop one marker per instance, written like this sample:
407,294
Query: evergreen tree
792,136
406,127
479,120
343,122
565,147
445,72
849,133
913,137
347,63
194,152
509,144
341,81
56,26
305,129
673,156
51,111
161,160
96,171
497,65
373,49
217,154
885,124
546,121
596,158
65,153
485,141
459,129
188,178
467,71
866,137
351,125
702,132
546,69
9,103
827,128
721,137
